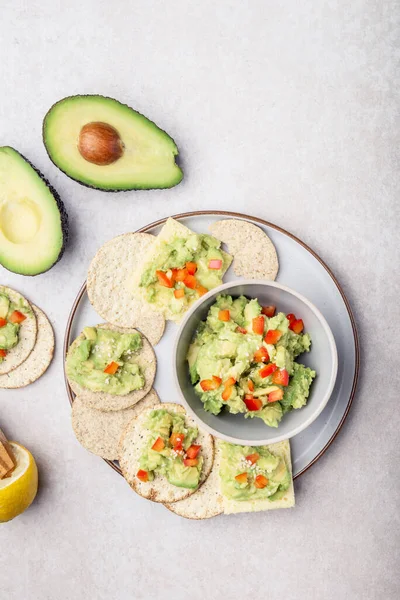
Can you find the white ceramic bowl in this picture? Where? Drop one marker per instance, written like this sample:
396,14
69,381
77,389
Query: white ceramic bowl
322,358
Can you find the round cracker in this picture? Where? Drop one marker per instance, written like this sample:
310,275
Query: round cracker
39,359
107,285
207,502
145,358
255,260
27,333
99,431
130,450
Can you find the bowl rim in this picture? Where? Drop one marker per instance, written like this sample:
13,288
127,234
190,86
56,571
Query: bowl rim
321,405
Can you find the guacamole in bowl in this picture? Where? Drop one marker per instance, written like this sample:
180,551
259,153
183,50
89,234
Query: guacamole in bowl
243,359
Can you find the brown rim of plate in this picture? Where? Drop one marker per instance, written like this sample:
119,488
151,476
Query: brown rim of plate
224,213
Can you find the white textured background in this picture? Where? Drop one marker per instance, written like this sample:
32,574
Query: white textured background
286,110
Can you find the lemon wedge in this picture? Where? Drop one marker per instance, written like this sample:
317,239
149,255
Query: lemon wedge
18,491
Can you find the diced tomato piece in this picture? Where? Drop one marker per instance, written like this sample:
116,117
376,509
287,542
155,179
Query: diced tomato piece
112,368
260,482
163,279
190,462
181,274
258,325
142,475
242,478
230,381
190,281
280,377
176,440
261,355
227,393
17,317
216,263
171,274
191,268
268,311
250,385
179,293
210,384
3,353
297,326
158,445
201,290
273,335
291,317
267,370
193,451
224,315
275,396
217,380
241,329
3,322
252,403
253,458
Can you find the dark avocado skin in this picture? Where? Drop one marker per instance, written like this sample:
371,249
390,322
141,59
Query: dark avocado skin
61,210
93,187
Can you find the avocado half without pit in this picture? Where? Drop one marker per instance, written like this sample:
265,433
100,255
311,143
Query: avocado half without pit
106,145
33,220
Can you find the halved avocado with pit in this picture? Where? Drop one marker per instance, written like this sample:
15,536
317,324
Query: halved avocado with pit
104,144
33,220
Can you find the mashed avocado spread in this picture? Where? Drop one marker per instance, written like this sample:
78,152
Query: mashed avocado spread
183,270
11,317
169,450
102,360
252,473
244,361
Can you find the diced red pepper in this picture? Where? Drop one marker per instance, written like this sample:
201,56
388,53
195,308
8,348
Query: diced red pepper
3,322
268,311
291,317
3,353
190,462
210,384
275,396
297,326
227,393
253,458
163,279
179,293
17,317
112,368
252,403
260,482
230,381
216,263
190,281
201,290
191,268
241,329
258,325
267,370
158,445
181,274
273,335
242,478
217,380
261,355
224,315
250,385
142,475
176,440
172,277
280,377
193,451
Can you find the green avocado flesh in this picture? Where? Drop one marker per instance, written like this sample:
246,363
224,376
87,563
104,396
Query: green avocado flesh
168,462
222,351
96,349
9,331
33,221
235,461
148,158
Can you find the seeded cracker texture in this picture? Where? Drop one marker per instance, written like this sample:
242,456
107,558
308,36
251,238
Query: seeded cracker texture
145,358
99,431
254,255
130,450
27,333
39,359
110,272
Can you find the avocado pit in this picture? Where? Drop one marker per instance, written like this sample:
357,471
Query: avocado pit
100,143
